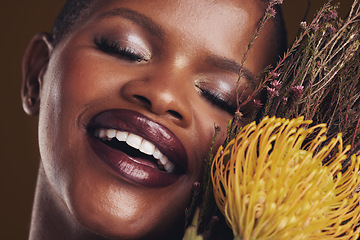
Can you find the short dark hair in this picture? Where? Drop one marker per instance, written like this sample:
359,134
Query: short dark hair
76,11
73,12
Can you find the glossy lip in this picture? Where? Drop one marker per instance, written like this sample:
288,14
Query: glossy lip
134,122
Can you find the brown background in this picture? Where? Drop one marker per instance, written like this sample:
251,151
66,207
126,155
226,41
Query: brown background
19,20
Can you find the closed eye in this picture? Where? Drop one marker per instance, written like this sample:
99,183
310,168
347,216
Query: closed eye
219,101
113,47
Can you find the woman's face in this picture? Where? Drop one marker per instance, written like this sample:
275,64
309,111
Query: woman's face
149,75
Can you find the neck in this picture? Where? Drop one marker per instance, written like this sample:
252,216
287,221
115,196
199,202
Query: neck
51,219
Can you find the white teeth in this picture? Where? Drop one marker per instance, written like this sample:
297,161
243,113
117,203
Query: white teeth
139,143
169,167
164,160
122,136
134,141
147,147
157,154
102,133
110,133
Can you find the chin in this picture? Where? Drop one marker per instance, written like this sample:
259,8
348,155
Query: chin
141,225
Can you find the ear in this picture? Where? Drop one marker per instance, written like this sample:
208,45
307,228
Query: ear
34,65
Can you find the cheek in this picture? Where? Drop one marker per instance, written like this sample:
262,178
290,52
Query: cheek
70,84
84,79
207,116
50,128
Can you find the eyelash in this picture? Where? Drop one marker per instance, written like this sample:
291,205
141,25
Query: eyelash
114,48
218,101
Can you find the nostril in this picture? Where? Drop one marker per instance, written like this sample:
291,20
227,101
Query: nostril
157,108
143,99
175,114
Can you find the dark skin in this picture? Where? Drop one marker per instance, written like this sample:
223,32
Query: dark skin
78,196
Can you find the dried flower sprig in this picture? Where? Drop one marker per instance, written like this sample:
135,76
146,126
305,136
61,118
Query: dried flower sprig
270,12
270,183
274,73
320,78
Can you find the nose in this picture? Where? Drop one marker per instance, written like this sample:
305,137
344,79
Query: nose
162,92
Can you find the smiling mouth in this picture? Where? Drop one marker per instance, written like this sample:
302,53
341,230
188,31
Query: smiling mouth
136,148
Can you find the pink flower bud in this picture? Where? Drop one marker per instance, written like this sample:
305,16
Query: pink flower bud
276,84
298,90
303,25
257,103
275,74
272,12
272,91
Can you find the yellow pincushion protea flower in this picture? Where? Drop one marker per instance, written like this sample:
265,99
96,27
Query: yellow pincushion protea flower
269,184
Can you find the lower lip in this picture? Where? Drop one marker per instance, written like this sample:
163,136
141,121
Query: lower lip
130,169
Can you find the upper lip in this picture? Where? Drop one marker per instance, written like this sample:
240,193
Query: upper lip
130,121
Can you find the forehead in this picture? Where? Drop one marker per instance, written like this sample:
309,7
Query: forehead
212,22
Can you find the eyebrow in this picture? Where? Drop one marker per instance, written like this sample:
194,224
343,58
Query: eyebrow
232,66
140,19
